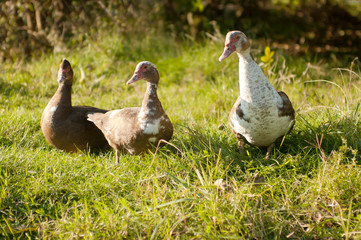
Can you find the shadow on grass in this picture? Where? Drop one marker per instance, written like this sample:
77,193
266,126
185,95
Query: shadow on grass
306,146
199,146
325,137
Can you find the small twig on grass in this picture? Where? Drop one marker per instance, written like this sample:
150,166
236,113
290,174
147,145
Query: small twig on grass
318,145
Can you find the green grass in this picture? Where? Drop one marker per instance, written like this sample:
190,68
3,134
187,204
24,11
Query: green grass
199,187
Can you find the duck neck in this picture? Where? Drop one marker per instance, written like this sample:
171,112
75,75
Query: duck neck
61,100
150,100
253,83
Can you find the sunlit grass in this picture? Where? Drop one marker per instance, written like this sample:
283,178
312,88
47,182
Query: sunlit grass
198,186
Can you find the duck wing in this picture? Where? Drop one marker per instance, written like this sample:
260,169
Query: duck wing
118,126
287,108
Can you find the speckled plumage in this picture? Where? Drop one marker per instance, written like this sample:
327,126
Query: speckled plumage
135,130
260,115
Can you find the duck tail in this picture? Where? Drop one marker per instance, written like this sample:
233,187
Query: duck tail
92,116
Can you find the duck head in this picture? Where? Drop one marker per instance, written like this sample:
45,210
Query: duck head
147,71
236,41
65,73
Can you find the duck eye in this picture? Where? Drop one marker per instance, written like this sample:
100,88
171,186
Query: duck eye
145,67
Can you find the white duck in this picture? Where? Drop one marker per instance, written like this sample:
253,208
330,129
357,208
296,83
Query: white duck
261,115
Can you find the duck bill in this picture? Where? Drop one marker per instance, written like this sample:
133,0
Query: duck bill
226,52
134,78
64,68
61,79
61,76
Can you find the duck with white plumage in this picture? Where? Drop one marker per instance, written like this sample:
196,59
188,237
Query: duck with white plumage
134,130
261,115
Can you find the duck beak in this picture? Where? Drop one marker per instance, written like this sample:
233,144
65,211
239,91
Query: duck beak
61,78
62,74
136,76
228,50
64,68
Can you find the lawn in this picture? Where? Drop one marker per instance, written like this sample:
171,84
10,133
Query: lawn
198,186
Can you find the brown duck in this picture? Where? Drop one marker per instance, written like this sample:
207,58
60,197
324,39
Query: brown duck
261,115
134,130
65,126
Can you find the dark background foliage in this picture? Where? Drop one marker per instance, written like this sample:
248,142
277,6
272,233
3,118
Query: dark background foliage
30,27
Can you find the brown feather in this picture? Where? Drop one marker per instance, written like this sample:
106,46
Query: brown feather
66,127
124,128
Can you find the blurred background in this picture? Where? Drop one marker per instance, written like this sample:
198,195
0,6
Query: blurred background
31,27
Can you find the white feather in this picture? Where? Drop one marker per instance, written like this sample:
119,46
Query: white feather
151,127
